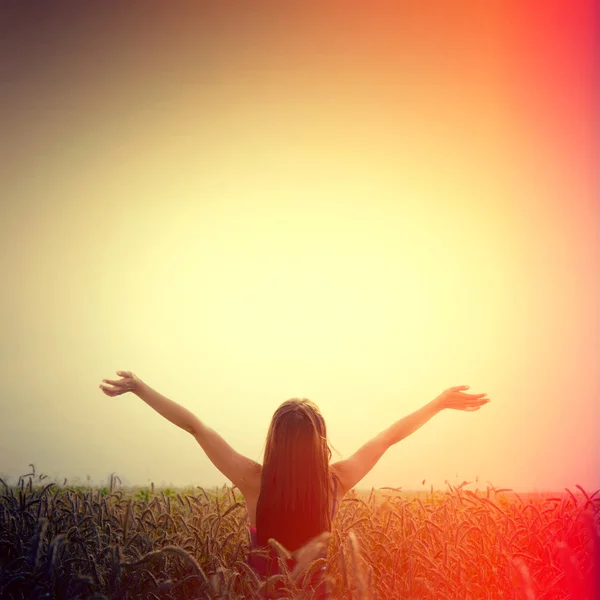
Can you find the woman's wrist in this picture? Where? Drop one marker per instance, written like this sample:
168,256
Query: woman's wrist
138,387
438,403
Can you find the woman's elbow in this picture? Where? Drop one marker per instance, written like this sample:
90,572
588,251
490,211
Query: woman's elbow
194,426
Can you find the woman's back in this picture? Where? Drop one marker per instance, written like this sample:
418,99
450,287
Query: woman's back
260,563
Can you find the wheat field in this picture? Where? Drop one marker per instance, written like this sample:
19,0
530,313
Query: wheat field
65,542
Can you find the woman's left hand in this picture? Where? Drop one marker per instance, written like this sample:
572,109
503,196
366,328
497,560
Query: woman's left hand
128,383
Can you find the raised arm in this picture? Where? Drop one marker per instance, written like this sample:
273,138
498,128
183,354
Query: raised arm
353,469
240,470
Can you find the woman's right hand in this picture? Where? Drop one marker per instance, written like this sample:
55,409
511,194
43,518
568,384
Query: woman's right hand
456,399
128,383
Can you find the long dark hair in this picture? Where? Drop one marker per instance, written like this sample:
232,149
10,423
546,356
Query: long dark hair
293,505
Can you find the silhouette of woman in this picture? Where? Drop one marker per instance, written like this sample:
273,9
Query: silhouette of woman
293,496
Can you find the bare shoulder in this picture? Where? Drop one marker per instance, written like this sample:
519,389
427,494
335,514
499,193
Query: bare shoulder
251,492
334,470
336,480
338,476
252,481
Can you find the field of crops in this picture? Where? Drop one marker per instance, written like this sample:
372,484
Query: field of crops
71,543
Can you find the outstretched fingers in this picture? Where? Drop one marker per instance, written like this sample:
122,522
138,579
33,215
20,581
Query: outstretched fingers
473,396
477,404
461,388
109,391
455,397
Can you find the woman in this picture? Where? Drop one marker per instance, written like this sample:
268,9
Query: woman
294,495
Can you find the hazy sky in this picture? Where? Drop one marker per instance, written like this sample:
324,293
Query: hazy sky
359,207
